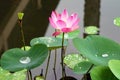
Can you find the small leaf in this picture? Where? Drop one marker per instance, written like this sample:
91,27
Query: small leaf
102,73
114,66
91,30
117,21
39,78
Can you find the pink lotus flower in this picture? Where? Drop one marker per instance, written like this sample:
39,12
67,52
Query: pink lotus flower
63,22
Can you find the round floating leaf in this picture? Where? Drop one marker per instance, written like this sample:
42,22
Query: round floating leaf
52,43
99,50
82,67
17,59
72,59
70,35
19,75
39,78
91,30
117,21
6,75
114,66
102,73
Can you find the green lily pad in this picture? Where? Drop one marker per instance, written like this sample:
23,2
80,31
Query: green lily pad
52,43
16,59
72,59
91,30
117,21
70,35
102,73
6,75
114,66
39,78
99,50
82,67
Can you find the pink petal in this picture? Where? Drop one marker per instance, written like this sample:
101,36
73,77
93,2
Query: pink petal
75,17
59,16
61,24
66,30
64,14
54,16
74,28
69,21
70,18
56,33
75,23
52,23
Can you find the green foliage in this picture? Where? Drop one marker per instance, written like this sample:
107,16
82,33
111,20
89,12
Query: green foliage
72,59
27,48
91,30
77,63
102,73
39,78
114,66
82,67
117,21
20,15
6,75
52,43
99,50
16,59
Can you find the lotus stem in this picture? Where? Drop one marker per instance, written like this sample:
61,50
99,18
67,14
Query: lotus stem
22,33
49,55
54,68
29,73
62,57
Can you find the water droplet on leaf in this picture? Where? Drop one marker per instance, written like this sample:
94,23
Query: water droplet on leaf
105,55
25,60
